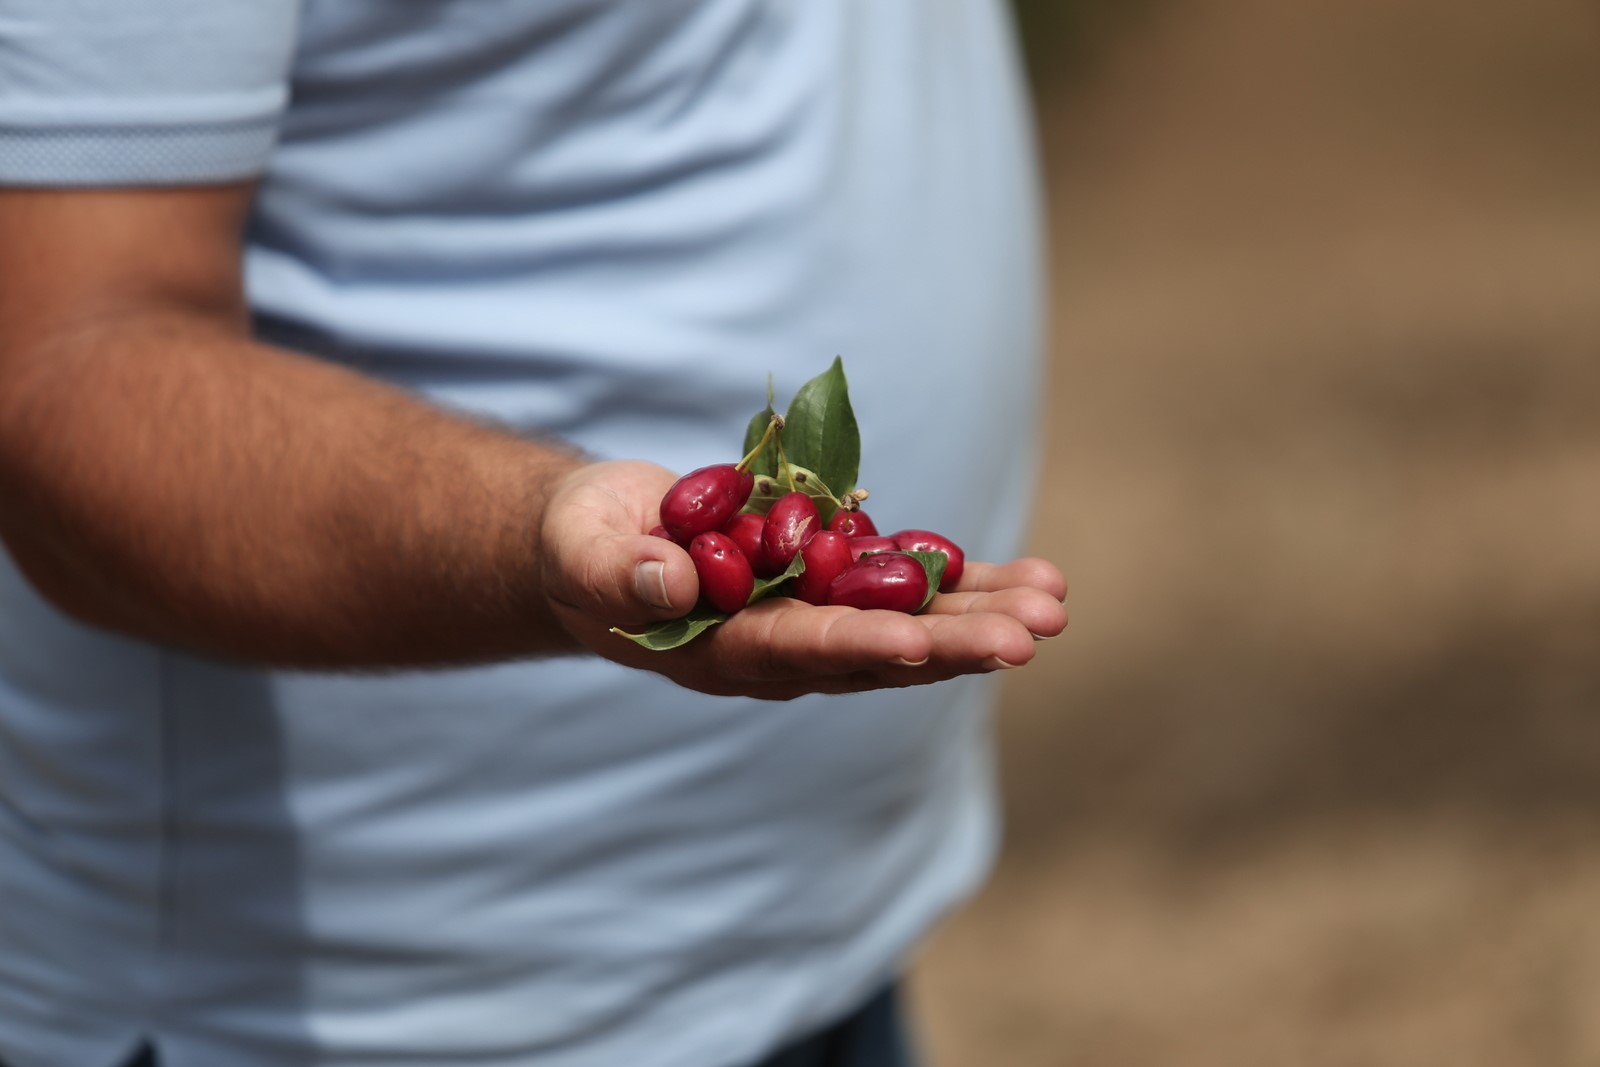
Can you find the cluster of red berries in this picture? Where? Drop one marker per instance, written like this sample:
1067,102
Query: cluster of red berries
846,564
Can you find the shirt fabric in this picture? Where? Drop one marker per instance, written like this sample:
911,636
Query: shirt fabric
606,221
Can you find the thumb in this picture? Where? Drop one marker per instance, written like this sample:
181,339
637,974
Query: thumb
626,578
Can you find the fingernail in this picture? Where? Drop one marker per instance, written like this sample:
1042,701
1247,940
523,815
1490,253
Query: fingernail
901,661
995,663
1045,637
650,582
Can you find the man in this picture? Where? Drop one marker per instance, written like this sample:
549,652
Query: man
346,348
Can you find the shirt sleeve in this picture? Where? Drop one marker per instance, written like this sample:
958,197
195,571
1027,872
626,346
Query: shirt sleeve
141,92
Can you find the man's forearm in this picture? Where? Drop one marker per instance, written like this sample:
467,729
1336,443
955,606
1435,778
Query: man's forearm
164,477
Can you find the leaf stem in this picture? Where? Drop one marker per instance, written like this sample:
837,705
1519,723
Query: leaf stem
774,426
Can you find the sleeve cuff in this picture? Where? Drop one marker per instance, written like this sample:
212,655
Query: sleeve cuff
135,155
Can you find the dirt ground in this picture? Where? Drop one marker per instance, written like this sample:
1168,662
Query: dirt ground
1314,779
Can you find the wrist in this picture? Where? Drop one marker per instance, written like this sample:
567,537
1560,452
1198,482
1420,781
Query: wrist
535,480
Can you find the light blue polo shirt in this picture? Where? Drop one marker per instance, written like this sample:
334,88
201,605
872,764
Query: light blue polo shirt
606,220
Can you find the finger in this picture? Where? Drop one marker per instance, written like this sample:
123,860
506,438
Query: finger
1041,613
971,645
1032,572
776,661
784,639
978,641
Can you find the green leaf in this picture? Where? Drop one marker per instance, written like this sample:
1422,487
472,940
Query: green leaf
804,480
820,432
675,632
767,585
769,490
934,564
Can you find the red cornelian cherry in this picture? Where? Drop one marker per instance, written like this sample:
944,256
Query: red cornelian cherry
928,541
704,499
891,580
726,580
790,524
745,529
826,556
860,546
852,524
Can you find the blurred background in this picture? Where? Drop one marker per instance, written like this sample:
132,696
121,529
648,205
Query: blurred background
1314,778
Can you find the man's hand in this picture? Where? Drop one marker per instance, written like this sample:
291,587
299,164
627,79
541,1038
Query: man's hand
601,570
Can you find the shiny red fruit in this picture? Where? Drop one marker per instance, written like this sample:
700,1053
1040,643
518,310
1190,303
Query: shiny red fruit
852,524
928,541
790,524
726,580
702,500
745,529
891,580
826,556
860,546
